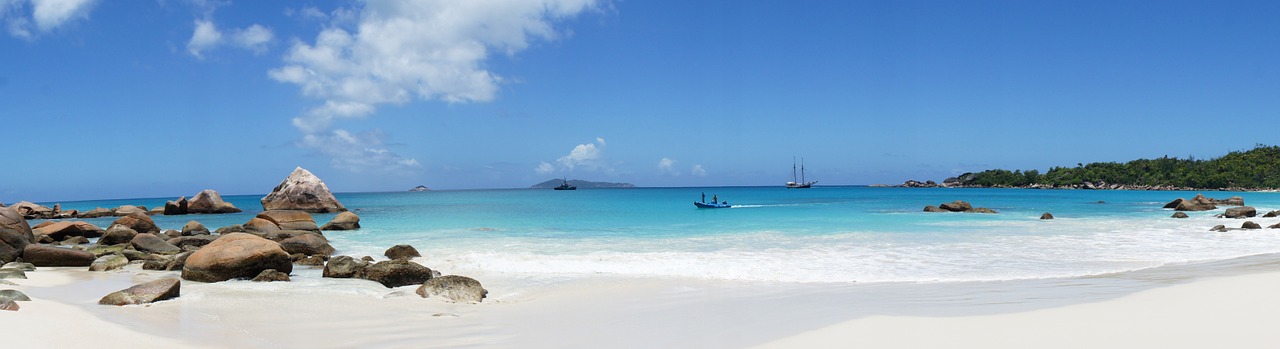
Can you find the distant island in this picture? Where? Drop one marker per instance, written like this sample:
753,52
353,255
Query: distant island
1256,169
420,188
581,184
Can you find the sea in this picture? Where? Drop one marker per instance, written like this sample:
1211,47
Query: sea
825,234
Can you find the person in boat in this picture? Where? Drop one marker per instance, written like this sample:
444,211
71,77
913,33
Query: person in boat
704,197
715,199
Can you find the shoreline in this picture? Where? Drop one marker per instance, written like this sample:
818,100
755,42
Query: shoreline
617,311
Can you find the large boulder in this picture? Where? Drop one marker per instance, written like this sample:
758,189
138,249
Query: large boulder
302,191
176,207
456,288
208,201
402,252
139,222
395,273
149,292
61,230
31,210
290,220
48,256
307,244
117,234
1240,212
194,228
236,255
343,221
1231,201
15,234
345,267
153,244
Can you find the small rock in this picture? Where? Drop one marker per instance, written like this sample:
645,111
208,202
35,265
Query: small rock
194,228
1271,214
13,295
150,292
117,234
9,306
345,267
153,244
956,206
395,273
1219,228
19,265
311,261
932,208
1250,225
343,221
1240,212
108,262
1046,216
402,252
307,244
1179,215
139,222
270,275
981,210
453,287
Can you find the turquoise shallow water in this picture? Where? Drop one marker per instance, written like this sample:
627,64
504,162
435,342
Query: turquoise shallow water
823,234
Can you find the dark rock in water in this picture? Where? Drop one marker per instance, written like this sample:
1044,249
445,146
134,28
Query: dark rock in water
402,252
270,275
395,273
48,256
235,255
343,221
95,213
149,292
290,220
956,206
453,287
61,230
1250,225
139,222
1179,215
302,191
311,261
1271,214
345,267
108,262
153,244
307,244
208,201
1219,228
1240,212
194,228
177,207
13,295
1046,216
1274,226
6,273
932,208
420,188
1232,201
981,210
15,234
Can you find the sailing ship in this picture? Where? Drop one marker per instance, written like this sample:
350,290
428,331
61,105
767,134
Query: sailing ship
802,183
564,185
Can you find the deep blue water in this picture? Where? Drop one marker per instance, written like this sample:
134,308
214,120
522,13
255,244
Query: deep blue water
823,234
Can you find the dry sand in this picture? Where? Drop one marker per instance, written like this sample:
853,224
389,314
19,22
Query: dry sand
1151,309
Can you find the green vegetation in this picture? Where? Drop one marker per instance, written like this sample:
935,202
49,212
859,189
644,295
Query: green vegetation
1256,168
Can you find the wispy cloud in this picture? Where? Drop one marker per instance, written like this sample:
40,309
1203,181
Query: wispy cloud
397,51
358,152
22,18
667,166
586,156
206,36
697,170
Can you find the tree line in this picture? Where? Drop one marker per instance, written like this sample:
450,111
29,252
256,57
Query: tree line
1256,168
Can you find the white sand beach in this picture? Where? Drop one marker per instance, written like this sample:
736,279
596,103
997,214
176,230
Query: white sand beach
1156,310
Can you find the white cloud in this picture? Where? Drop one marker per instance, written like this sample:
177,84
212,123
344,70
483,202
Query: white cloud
430,49
254,38
667,166
697,170
44,15
358,152
50,14
205,36
544,168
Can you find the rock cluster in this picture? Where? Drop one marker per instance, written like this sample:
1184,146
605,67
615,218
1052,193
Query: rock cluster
958,206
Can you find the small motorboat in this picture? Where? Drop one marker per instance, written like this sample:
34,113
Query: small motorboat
712,204
565,186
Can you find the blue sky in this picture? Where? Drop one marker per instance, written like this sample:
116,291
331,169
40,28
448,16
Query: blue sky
165,98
